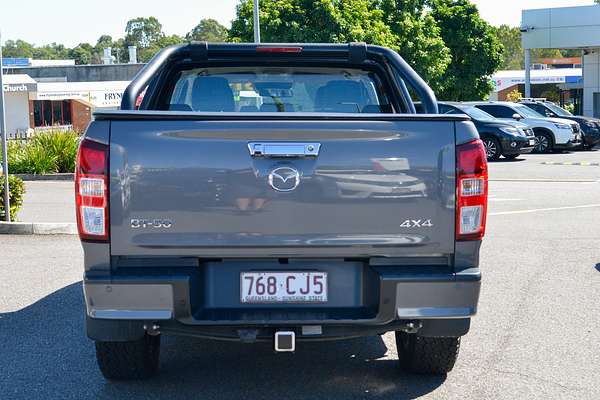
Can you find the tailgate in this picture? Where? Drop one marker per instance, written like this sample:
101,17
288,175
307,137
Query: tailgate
353,188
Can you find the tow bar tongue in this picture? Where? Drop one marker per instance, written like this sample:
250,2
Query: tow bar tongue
285,341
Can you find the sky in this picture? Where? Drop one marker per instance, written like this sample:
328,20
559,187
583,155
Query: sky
71,22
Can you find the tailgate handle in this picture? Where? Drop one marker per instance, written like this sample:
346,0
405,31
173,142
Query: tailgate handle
284,149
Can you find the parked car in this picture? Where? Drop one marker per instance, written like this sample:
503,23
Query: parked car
276,260
500,138
590,127
551,133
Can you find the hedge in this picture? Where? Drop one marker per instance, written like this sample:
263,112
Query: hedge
17,190
45,153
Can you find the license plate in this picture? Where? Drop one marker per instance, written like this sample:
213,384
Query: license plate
532,142
283,287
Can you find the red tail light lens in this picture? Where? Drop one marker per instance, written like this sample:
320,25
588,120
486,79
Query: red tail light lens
471,191
91,191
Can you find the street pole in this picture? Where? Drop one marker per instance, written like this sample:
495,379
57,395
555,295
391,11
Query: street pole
527,73
256,23
4,139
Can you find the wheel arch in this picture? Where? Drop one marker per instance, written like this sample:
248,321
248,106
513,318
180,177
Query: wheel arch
547,131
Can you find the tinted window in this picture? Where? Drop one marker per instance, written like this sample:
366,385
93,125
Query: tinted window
496,110
279,89
540,109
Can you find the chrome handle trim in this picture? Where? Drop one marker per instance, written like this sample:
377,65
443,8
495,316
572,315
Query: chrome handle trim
284,149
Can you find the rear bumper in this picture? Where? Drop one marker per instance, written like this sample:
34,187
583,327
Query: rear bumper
165,300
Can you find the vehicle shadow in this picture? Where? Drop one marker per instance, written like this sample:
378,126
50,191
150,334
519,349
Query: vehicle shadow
44,354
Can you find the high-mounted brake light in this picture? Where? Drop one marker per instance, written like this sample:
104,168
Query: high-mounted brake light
273,49
471,191
91,191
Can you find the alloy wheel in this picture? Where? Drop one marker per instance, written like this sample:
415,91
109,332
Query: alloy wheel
491,149
542,144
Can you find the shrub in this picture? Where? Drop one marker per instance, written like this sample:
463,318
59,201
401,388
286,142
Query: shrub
17,190
47,152
514,95
15,155
60,145
36,159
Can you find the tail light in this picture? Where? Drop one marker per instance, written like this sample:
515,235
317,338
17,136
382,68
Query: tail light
275,49
471,190
91,191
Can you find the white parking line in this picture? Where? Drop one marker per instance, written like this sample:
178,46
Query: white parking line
545,180
496,199
544,209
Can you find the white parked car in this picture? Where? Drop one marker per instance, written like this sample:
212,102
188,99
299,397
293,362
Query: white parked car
551,133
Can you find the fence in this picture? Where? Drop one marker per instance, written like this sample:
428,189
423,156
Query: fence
23,135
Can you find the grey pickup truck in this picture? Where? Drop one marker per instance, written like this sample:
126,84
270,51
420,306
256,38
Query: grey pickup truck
282,193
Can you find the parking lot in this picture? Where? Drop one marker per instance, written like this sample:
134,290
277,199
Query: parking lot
536,335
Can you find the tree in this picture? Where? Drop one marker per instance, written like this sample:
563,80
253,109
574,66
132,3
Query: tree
476,51
82,53
322,21
512,55
103,42
17,49
417,38
51,51
208,30
144,55
142,32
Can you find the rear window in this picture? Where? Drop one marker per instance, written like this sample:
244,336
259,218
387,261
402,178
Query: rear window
276,89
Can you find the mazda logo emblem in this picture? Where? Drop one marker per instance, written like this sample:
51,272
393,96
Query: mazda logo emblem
284,179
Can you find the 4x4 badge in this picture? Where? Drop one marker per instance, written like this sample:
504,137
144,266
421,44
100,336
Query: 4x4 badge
417,223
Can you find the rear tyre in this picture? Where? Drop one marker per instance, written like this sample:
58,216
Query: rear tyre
427,355
544,143
492,148
136,359
512,156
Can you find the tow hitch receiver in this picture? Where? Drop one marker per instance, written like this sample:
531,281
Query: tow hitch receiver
285,341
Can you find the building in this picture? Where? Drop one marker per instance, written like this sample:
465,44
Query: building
566,28
16,101
30,62
545,82
60,95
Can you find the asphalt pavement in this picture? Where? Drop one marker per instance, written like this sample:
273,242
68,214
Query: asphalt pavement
536,336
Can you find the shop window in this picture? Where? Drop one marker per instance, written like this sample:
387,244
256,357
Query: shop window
51,113
37,113
66,112
47,113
